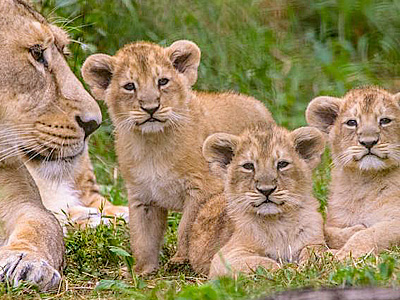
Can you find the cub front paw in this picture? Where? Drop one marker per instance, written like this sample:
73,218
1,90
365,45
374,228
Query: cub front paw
18,266
146,270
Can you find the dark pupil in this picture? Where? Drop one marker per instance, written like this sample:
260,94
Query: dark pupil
282,164
37,53
248,166
129,86
163,81
385,121
352,123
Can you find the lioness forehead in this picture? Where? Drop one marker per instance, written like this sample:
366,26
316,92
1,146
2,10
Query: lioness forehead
368,100
19,15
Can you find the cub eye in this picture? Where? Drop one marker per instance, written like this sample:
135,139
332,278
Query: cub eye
163,81
248,166
282,164
351,123
385,121
38,54
130,86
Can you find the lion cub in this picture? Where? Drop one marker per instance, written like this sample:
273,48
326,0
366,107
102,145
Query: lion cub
161,125
364,134
268,214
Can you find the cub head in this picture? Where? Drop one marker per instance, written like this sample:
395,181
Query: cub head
146,87
45,113
363,128
267,170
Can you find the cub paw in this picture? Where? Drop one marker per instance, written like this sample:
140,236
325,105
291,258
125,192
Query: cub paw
146,270
18,266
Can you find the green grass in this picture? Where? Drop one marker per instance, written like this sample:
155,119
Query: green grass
283,52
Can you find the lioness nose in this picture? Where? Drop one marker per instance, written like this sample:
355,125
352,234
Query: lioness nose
369,143
88,126
150,110
266,190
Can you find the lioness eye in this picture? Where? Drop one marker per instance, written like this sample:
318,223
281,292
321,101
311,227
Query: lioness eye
351,123
163,81
248,166
130,86
282,164
38,54
384,121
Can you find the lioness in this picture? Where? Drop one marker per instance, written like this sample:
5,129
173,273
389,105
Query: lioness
364,134
75,199
45,117
267,214
160,128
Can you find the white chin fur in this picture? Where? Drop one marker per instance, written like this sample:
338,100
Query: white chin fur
152,127
371,162
55,171
268,209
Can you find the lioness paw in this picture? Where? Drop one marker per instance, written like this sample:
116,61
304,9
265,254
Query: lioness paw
18,266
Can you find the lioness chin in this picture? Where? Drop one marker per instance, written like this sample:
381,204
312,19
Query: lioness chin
45,118
267,214
364,203
160,128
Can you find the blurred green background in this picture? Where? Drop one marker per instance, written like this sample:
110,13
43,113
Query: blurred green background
283,52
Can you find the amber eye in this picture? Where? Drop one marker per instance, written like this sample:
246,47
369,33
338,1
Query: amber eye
282,164
248,166
38,54
351,123
130,86
163,81
385,121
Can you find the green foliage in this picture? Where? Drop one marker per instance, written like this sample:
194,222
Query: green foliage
283,52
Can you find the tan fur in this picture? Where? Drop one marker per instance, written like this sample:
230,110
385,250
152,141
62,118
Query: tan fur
266,234
364,204
40,102
161,161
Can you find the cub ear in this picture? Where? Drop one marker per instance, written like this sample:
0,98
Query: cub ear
397,97
97,72
309,143
185,57
322,112
218,150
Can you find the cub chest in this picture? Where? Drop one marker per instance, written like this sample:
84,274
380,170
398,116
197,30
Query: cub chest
157,183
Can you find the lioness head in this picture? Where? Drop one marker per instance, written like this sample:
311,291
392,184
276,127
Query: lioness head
45,113
267,169
145,86
363,128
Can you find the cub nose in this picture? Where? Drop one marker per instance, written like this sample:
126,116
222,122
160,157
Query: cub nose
368,143
88,126
150,110
266,190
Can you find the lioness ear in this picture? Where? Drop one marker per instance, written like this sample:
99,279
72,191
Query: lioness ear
322,112
185,57
97,72
309,143
218,150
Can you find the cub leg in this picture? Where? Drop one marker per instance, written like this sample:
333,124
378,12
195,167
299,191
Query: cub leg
336,237
190,212
34,248
238,261
381,236
147,225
